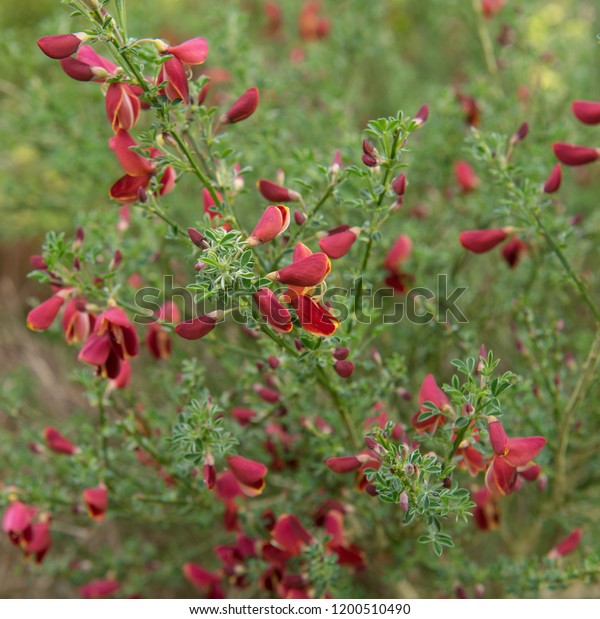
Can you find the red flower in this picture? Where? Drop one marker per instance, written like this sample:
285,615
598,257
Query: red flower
511,252
244,107
481,241
272,310
113,340
344,369
17,521
274,221
465,176
76,321
554,179
157,337
276,193
174,74
573,155
139,170
430,392
99,588
203,580
61,45
289,534
422,115
346,464
198,327
314,317
41,317
485,513
491,7
96,501
249,474
399,253
243,415
587,112
311,25
511,454
122,105
38,542
59,443
88,65
192,51
306,272
566,546
339,241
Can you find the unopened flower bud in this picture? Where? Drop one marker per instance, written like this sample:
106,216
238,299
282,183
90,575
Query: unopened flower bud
299,217
404,501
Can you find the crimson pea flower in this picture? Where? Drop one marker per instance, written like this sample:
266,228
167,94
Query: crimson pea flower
38,542
76,321
96,501
243,415
122,105
289,534
486,514
306,272
481,241
554,179
249,474
314,317
347,464
192,52
587,112
430,392
276,193
274,221
138,170
202,579
174,74
422,115
242,108
41,317
88,65
344,368
157,337
59,46
198,327
465,176
58,443
276,315
17,521
491,7
397,255
566,546
512,251
113,340
573,155
348,554
338,242
510,455
311,25
99,588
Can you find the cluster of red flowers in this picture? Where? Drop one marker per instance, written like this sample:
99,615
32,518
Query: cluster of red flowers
481,241
283,574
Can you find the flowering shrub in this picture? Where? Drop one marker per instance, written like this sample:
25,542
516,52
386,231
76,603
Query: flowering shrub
249,358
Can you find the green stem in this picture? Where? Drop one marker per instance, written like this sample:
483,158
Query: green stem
325,382
375,225
578,394
568,268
